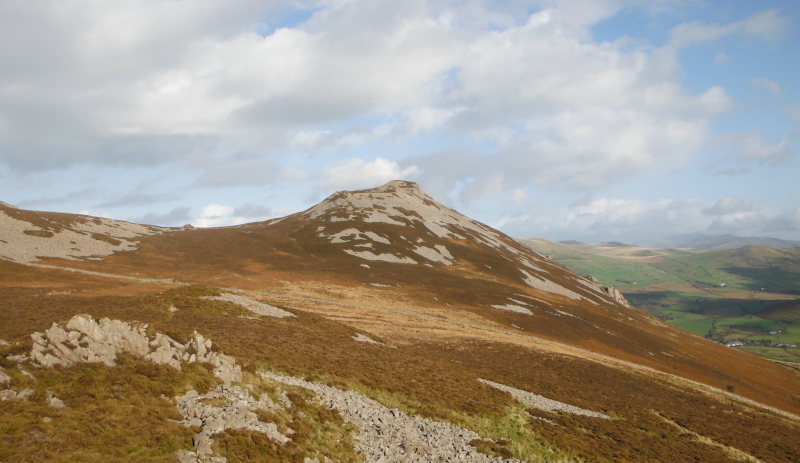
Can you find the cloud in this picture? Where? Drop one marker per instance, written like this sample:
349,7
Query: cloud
214,215
356,173
221,215
644,222
219,173
768,25
174,218
750,146
136,199
729,205
770,85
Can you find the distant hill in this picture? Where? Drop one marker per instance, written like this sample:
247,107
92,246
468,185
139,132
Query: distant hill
702,241
749,294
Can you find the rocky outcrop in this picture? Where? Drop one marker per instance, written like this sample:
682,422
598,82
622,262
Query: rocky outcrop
389,435
85,340
237,413
617,296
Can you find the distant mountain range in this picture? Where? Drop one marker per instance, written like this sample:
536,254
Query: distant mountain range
703,241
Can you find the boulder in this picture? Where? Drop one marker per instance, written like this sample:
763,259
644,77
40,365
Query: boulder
4,378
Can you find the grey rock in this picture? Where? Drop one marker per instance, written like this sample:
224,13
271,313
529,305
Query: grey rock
54,402
25,393
186,456
86,340
544,403
4,378
392,436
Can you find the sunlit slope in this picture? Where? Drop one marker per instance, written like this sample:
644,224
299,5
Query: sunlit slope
398,263
652,417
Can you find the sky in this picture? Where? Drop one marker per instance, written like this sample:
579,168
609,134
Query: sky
589,120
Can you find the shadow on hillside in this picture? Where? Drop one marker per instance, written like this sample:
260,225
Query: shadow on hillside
771,280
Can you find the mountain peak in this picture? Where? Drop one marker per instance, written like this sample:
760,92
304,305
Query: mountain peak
395,185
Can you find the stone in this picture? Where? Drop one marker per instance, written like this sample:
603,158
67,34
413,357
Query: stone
390,435
203,442
54,401
56,333
186,456
4,378
283,397
165,355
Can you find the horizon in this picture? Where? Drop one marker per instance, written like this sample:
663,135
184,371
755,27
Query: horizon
594,121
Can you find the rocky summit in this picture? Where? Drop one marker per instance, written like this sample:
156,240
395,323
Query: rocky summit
379,325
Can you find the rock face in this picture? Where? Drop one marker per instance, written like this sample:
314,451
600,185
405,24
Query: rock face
238,413
389,435
86,340
617,296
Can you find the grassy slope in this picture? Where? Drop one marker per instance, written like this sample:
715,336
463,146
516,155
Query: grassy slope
437,380
685,289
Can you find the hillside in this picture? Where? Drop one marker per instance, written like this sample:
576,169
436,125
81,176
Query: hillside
719,242
378,324
744,295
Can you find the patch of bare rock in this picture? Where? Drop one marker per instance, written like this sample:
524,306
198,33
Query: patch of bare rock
544,403
258,308
85,236
389,435
364,338
237,413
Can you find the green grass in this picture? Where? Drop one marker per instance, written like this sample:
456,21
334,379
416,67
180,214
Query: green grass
777,353
738,310
617,272
694,323
112,414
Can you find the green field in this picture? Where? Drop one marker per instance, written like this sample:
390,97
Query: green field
750,294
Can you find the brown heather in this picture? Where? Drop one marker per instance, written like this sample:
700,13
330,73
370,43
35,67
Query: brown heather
664,389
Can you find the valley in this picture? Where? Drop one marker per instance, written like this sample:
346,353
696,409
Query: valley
747,297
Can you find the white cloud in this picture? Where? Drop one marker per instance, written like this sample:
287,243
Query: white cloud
768,25
214,215
716,100
221,215
770,85
497,97
356,173
750,146
644,222
729,205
